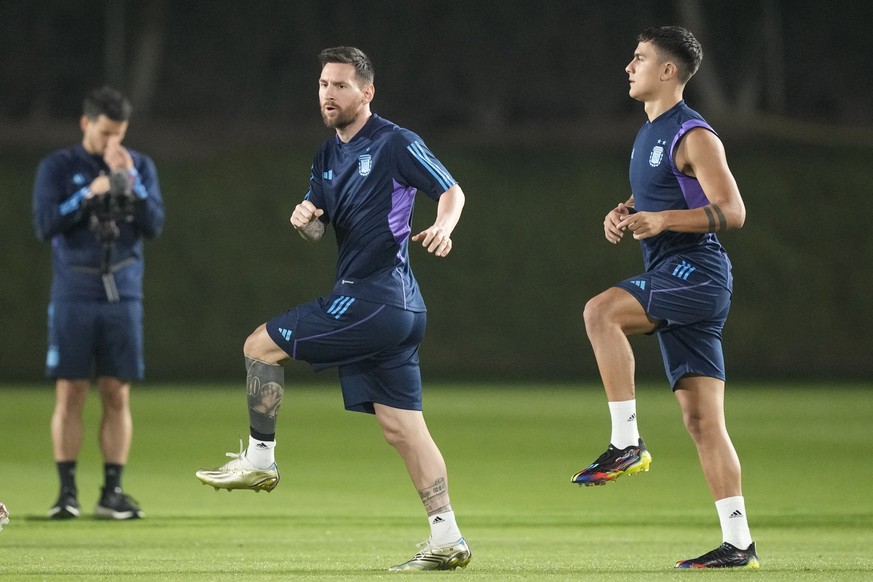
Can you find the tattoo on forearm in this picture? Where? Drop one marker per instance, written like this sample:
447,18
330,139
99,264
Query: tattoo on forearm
435,498
721,219
716,218
710,218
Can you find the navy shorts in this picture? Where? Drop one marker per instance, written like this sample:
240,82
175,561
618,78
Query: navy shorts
691,308
95,338
374,347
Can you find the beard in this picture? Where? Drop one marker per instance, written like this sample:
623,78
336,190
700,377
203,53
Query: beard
341,118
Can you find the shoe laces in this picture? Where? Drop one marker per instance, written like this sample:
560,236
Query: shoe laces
726,550
238,460
240,454
425,548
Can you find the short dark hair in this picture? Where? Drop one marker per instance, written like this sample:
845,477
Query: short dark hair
350,55
109,102
679,44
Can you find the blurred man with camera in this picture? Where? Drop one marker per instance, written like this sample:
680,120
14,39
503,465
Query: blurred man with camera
95,202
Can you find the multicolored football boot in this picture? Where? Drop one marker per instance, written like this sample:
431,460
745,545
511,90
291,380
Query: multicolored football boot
613,464
457,555
725,556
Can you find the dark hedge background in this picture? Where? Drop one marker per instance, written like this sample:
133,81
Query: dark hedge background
526,105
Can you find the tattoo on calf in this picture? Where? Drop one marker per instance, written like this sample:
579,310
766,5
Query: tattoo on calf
266,398
265,387
435,497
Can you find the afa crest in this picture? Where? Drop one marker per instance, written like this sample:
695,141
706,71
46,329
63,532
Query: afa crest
656,156
365,164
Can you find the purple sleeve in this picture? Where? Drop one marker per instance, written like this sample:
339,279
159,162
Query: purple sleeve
694,195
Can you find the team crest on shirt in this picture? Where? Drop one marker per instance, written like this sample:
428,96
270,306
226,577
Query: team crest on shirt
79,179
365,164
657,154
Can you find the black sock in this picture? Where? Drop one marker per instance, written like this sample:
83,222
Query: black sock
67,473
112,476
261,436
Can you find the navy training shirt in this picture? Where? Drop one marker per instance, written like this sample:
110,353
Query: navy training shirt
657,185
59,215
367,190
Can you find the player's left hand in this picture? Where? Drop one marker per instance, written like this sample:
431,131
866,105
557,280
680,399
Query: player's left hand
99,186
435,240
643,224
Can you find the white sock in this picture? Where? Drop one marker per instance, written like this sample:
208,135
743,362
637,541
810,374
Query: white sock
624,424
443,529
261,453
734,525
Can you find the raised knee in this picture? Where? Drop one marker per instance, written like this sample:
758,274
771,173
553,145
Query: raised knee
250,345
257,345
595,313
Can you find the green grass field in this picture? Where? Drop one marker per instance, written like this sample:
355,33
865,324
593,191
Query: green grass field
345,508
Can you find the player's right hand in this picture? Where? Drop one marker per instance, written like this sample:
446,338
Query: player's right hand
116,155
611,228
305,214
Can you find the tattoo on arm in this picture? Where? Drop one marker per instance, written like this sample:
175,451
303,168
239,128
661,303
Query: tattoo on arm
710,218
721,219
716,218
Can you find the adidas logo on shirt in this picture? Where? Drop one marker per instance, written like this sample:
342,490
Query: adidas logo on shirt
286,333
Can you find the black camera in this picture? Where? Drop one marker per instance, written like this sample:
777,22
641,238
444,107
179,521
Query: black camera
107,212
116,205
